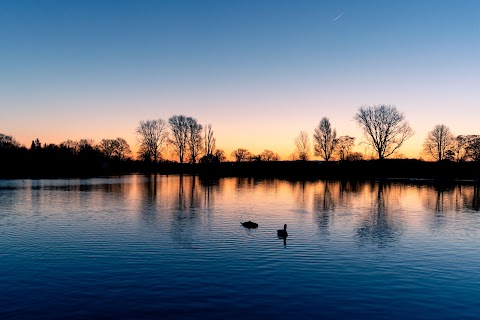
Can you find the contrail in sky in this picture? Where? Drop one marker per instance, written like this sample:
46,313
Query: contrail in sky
338,17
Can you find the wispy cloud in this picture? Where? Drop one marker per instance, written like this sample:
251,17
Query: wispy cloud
338,17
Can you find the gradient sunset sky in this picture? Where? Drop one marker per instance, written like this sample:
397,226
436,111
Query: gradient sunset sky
258,71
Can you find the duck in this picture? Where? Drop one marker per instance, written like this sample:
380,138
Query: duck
249,224
282,233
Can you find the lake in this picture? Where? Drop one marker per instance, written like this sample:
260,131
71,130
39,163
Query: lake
153,247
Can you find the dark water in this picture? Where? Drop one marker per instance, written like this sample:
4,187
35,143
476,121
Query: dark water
173,247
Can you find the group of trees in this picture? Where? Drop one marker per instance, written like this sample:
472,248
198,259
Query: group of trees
69,158
441,144
183,135
243,155
107,148
384,127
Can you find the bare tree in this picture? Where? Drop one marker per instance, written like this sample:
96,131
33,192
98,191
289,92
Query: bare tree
325,139
209,141
179,140
438,142
122,150
151,135
107,147
473,147
220,155
194,139
303,146
268,155
459,148
344,146
241,155
115,148
384,127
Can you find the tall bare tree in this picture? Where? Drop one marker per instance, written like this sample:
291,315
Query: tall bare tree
303,146
151,135
324,139
438,142
344,146
384,127
209,141
179,140
194,140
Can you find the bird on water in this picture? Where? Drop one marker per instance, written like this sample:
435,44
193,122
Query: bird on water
282,233
249,224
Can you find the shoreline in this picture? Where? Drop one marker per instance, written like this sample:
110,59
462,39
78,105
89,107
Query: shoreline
407,170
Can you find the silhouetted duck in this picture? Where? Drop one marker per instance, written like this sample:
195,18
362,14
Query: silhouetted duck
249,224
282,233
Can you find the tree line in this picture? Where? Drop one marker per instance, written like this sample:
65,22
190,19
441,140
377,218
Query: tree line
441,144
384,126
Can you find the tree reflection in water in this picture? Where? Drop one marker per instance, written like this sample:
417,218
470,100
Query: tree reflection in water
299,190
148,203
380,226
471,200
209,187
447,201
186,220
324,206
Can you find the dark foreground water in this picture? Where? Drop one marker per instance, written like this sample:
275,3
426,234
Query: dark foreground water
173,247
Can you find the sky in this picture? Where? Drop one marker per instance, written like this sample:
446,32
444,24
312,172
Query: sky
258,71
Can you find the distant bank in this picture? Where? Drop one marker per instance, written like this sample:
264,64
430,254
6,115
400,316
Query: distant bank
290,170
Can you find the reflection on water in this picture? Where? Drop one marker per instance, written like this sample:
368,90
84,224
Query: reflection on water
174,245
381,225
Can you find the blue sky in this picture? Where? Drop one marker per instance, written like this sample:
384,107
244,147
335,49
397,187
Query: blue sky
258,71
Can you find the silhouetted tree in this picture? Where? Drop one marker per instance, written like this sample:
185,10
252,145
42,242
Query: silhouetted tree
36,145
194,141
115,148
324,139
473,147
122,150
151,136
268,155
459,148
384,127
344,145
438,142
220,155
70,145
241,155
107,147
179,140
303,146
88,152
209,140
8,142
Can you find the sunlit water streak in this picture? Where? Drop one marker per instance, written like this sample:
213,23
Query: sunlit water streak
170,246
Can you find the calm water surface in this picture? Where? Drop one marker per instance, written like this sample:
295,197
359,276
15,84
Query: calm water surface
173,247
